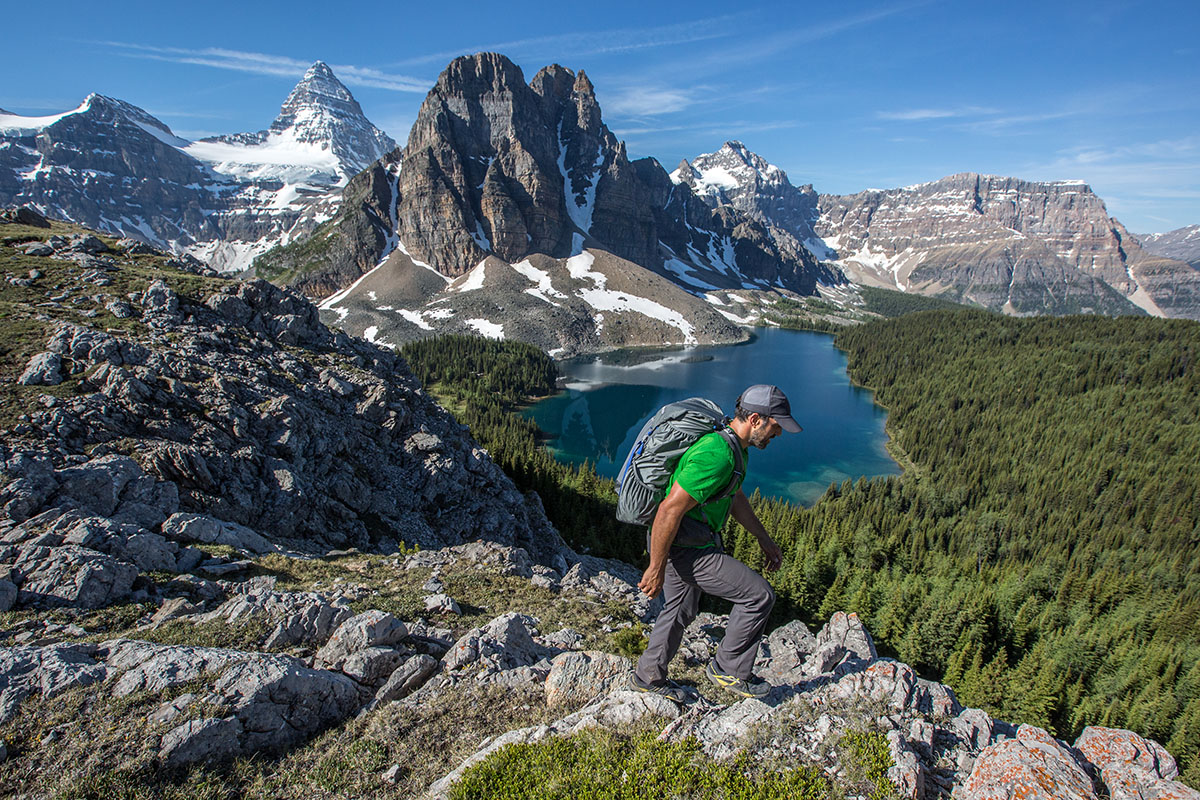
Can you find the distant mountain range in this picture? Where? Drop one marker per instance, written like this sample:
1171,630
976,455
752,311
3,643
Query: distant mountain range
513,211
114,167
1182,244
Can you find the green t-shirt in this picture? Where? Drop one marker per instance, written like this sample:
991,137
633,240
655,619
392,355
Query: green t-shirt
703,471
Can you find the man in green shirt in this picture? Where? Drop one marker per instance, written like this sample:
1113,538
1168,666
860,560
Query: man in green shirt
687,558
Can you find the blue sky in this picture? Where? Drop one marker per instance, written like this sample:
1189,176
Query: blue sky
843,96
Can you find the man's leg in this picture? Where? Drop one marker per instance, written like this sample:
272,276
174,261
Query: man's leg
681,602
724,576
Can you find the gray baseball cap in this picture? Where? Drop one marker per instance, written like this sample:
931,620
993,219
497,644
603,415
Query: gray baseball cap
763,398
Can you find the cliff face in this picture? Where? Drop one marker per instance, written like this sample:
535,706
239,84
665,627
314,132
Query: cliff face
1006,244
1000,242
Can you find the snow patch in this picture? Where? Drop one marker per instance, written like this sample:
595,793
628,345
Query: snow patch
416,318
472,280
579,206
17,125
540,277
491,330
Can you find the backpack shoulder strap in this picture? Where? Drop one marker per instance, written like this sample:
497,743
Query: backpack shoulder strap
739,466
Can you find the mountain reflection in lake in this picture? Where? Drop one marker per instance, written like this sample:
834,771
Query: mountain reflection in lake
608,398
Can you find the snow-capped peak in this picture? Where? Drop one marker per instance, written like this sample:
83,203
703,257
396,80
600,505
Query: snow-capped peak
732,167
320,110
98,106
321,136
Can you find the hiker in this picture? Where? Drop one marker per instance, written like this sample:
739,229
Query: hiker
687,558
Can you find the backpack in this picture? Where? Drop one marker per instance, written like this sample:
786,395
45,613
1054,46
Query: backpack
642,482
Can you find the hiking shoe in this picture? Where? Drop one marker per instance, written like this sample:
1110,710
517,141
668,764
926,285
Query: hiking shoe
746,687
668,689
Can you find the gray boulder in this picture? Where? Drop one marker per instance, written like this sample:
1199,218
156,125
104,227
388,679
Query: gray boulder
8,594
782,654
441,604
301,617
504,643
144,666
50,670
186,527
126,542
272,702
71,575
44,369
406,679
372,666
843,638
369,629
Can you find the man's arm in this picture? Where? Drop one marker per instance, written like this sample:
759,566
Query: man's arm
745,515
662,536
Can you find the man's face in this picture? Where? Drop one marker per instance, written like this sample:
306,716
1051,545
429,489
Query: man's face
763,430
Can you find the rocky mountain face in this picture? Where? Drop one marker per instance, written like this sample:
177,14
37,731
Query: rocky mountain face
1181,244
1016,246
208,507
522,186
115,168
1002,243
735,176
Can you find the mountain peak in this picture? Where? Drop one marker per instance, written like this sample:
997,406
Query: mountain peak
472,75
319,69
320,110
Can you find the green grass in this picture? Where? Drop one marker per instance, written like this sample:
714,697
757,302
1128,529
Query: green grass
600,763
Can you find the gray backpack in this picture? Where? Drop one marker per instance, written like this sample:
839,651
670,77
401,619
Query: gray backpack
642,482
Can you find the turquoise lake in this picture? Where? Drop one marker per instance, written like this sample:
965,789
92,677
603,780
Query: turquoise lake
609,397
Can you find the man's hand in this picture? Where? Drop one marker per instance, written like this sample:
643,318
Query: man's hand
772,553
651,582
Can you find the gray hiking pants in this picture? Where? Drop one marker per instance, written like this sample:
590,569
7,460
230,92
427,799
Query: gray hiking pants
691,571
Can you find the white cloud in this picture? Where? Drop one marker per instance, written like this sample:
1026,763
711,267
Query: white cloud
266,64
618,40
644,101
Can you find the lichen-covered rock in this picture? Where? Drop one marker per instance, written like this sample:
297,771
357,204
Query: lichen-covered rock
1034,766
581,676
1133,767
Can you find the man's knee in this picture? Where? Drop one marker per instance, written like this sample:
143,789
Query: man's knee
763,598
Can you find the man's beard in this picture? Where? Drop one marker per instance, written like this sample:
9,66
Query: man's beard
759,437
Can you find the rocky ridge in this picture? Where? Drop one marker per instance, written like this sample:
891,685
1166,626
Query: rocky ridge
520,189
113,167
